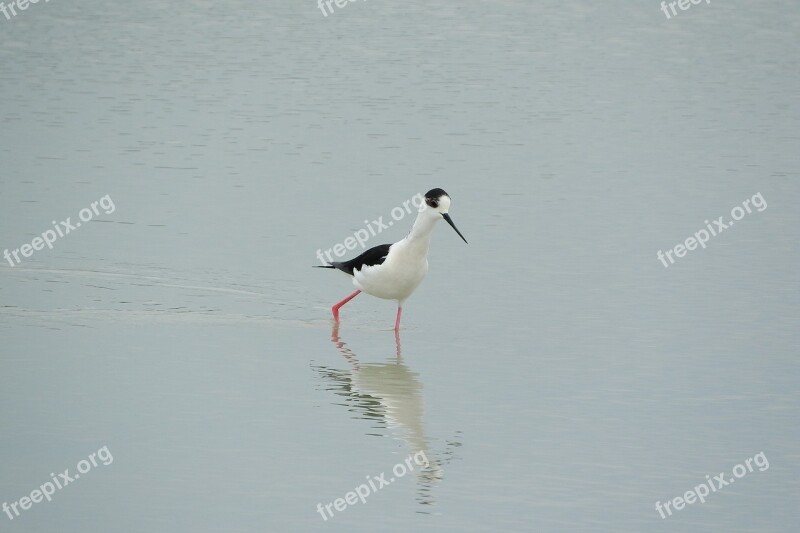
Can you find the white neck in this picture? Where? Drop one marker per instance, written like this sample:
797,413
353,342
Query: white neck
420,234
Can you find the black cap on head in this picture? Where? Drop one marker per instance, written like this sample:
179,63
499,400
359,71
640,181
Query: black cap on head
433,195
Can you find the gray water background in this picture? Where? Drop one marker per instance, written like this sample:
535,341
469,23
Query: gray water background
558,376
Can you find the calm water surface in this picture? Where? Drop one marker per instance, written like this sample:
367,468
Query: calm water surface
553,373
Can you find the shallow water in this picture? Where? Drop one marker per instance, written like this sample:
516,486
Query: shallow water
554,375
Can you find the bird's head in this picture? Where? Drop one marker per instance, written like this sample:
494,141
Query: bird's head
438,204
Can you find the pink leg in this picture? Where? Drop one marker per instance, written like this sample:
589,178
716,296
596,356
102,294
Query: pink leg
397,322
397,342
336,307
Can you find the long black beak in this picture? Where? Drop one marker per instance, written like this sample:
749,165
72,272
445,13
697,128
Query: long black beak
450,221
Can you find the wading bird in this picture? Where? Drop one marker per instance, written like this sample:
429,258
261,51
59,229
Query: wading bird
394,271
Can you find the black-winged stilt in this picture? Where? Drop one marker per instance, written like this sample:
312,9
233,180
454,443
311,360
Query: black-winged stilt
394,271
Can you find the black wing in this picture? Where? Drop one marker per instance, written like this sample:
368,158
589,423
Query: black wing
373,256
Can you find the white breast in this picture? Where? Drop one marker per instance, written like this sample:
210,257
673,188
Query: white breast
398,276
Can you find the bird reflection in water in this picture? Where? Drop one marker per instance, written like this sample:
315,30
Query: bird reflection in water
390,395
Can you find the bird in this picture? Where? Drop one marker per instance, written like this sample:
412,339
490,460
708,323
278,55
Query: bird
394,271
